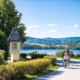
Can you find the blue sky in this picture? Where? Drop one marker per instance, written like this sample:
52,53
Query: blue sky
50,18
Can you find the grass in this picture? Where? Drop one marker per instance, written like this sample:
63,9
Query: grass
21,59
49,69
70,58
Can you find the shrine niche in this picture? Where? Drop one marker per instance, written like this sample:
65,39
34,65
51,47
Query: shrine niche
15,44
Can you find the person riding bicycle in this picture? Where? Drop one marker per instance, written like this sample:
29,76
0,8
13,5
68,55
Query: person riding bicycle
66,57
68,52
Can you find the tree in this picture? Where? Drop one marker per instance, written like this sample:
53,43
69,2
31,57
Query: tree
9,18
4,44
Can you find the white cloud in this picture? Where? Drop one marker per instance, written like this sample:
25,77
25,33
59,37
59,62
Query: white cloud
35,26
52,24
73,32
37,36
70,27
76,25
27,31
64,31
57,27
52,31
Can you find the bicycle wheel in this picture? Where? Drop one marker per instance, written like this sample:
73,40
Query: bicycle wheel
64,64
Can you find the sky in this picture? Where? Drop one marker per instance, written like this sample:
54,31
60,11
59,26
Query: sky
50,18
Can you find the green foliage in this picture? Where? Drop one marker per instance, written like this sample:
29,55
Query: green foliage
23,55
35,56
19,69
12,71
52,59
39,46
34,52
21,30
60,53
1,59
4,44
9,17
36,66
77,55
6,72
72,55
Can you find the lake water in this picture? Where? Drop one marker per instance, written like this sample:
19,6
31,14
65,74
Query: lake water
48,51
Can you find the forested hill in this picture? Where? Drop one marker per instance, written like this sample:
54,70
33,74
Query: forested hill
52,40
70,45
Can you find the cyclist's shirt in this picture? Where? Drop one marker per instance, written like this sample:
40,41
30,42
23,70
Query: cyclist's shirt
68,52
66,57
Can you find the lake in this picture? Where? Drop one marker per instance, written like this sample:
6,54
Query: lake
48,51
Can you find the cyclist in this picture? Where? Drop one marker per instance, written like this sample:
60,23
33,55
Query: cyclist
66,57
68,52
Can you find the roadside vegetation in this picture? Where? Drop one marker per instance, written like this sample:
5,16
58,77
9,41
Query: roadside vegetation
27,68
60,54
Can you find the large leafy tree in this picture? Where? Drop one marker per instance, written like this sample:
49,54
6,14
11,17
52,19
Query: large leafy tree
9,18
4,44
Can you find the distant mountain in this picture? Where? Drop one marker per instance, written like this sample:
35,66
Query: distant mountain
52,40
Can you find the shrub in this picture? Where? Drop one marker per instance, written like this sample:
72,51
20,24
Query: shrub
62,52
35,56
2,52
18,69
23,55
34,52
52,58
36,66
1,59
77,55
6,72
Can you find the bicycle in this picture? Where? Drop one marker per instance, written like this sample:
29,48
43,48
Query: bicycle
65,63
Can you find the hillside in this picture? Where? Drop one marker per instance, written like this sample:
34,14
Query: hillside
70,45
52,40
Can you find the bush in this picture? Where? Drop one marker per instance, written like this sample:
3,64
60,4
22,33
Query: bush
35,56
62,52
1,59
18,69
23,55
12,71
52,58
77,55
6,72
36,66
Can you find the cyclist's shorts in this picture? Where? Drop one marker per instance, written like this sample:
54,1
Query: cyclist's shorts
66,59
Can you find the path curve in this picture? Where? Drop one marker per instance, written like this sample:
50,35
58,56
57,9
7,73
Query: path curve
72,72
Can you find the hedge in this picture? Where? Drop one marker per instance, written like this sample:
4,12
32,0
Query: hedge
52,58
18,69
23,55
35,56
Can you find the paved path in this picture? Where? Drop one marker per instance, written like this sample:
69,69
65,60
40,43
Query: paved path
72,72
